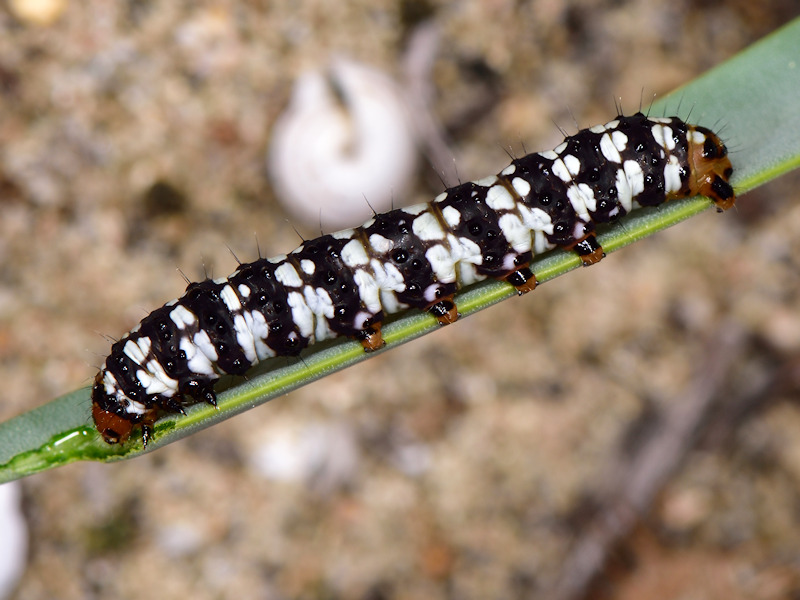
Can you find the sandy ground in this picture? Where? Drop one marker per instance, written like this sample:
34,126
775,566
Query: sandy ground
468,464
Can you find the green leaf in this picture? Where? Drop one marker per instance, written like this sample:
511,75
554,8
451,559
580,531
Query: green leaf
751,99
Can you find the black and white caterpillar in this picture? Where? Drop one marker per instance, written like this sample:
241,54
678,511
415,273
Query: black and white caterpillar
418,257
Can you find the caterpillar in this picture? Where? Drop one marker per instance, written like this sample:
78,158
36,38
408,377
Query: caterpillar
344,283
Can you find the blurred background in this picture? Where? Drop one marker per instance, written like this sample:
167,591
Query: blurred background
508,456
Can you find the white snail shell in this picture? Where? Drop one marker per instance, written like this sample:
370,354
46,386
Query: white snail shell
332,158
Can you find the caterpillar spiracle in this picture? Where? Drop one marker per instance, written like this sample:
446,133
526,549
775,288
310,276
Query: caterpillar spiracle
344,283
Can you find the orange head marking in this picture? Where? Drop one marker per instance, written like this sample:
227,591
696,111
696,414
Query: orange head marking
111,426
116,427
711,167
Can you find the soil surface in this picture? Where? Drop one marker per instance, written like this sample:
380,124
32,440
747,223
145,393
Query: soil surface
472,463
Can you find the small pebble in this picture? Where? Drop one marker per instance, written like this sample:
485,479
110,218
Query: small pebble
13,538
37,12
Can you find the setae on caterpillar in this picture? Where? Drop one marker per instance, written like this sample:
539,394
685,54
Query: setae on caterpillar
345,283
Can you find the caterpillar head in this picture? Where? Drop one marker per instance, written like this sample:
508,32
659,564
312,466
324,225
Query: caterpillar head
111,418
